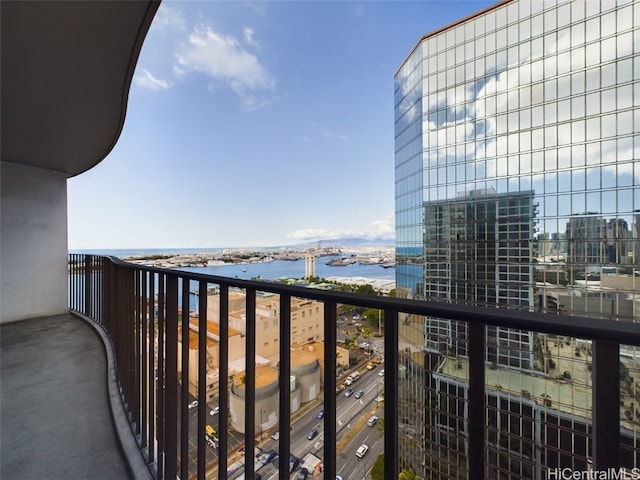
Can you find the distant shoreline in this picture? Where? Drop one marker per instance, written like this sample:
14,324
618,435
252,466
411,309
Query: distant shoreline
384,256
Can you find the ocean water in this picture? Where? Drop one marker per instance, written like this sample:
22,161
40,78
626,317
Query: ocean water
268,270
295,269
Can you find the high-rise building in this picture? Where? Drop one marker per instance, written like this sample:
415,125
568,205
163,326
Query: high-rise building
510,125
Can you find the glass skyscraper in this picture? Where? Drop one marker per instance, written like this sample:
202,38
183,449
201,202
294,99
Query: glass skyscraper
517,147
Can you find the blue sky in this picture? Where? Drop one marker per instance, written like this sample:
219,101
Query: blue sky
257,124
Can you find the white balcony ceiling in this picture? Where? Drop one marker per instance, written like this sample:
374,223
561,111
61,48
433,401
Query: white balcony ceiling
67,68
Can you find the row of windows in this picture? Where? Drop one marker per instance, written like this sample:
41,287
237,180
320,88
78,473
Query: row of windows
529,62
465,157
458,105
546,124
584,37
497,29
592,177
536,18
609,128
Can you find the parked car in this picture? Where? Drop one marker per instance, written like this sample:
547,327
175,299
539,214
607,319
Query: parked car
313,433
362,450
348,392
302,474
359,394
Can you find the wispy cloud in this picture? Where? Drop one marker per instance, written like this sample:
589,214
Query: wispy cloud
339,136
248,38
168,18
381,229
145,79
224,58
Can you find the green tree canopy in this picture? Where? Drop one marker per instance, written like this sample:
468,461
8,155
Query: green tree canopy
377,472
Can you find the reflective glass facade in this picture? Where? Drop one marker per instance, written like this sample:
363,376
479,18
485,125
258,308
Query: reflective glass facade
517,167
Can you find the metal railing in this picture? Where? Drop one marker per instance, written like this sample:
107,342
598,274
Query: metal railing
145,312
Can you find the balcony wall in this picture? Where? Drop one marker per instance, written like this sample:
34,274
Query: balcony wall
33,242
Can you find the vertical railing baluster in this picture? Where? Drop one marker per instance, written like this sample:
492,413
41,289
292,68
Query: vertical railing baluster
151,340
87,285
223,388
284,412
162,383
202,377
250,384
171,392
184,390
330,336
137,348
145,347
391,459
606,400
476,405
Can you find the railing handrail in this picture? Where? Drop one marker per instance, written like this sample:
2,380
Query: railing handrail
623,332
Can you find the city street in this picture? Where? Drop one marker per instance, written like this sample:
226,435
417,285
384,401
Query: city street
352,431
351,423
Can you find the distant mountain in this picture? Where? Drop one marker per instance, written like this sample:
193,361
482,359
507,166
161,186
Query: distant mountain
350,242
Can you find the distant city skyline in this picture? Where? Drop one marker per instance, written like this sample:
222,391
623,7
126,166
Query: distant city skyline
256,124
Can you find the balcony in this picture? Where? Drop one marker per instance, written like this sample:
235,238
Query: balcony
67,424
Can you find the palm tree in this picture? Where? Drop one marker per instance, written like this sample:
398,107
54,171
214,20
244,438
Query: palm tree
407,474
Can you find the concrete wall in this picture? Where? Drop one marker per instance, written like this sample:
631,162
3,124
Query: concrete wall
33,242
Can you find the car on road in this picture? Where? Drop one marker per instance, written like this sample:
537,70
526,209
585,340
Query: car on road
215,411
313,433
339,477
381,373
302,474
320,414
193,404
268,456
293,463
372,421
359,394
348,392
362,450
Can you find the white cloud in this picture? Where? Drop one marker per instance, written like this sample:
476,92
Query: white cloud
248,37
383,228
168,18
223,58
145,79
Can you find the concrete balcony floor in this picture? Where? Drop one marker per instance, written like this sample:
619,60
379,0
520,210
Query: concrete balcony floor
55,414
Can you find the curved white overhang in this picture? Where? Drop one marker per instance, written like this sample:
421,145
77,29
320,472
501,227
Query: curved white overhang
67,67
